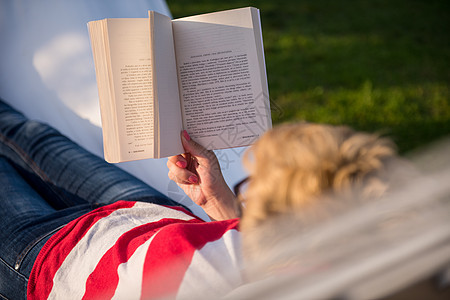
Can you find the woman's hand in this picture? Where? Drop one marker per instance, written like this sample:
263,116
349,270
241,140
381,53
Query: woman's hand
198,173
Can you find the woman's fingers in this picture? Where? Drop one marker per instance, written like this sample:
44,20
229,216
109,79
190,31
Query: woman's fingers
178,160
180,174
184,168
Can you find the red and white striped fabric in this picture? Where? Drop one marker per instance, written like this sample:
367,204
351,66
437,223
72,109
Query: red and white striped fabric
136,250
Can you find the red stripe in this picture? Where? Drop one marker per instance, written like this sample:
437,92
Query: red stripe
102,282
54,252
171,251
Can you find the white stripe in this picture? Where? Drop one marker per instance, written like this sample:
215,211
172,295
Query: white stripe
215,270
70,279
130,274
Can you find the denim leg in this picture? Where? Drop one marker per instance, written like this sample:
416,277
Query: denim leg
26,222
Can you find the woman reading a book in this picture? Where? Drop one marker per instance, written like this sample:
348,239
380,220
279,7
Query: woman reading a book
74,226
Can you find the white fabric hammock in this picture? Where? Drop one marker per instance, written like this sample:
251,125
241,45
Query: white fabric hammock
47,72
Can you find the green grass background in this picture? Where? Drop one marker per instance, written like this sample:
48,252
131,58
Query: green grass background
376,65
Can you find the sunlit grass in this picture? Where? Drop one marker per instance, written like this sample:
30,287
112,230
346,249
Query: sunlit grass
409,114
376,65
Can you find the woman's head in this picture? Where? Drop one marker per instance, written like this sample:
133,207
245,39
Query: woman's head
296,165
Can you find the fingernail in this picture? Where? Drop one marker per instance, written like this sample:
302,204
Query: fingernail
181,164
193,179
186,135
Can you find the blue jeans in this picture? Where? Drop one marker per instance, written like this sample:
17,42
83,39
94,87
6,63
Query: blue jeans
46,181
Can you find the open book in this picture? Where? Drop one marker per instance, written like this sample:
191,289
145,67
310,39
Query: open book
158,76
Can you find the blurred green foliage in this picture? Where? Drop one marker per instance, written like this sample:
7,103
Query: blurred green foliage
378,65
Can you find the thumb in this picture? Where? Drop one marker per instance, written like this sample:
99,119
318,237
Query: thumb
194,148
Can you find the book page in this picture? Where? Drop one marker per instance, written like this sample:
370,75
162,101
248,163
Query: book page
221,75
132,81
167,98
100,48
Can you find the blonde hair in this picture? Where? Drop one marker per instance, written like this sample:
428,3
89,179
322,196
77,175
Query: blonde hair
295,165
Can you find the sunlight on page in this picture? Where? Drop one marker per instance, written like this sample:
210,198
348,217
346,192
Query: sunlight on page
70,53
